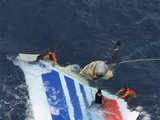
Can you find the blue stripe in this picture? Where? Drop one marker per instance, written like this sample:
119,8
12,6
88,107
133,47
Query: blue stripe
74,98
85,100
55,95
84,95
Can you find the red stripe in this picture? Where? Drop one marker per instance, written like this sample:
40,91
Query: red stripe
111,110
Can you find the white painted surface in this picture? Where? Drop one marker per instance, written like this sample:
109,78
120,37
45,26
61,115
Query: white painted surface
28,57
37,96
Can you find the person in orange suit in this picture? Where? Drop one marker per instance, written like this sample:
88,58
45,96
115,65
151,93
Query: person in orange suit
127,93
51,56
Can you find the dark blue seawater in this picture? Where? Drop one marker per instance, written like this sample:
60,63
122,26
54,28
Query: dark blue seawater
81,31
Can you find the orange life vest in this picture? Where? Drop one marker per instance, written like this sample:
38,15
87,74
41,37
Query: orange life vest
126,91
51,56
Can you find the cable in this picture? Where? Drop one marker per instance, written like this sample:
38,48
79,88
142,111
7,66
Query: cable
140,60
135,60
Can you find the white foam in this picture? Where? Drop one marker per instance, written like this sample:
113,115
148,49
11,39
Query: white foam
139,108
29,111
38,99
145,115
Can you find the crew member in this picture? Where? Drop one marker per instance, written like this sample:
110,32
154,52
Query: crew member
51,56
127,93
115,52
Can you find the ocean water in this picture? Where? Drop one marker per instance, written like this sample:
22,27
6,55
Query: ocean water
81,31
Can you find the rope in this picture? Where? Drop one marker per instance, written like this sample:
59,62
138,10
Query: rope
140,60
136,60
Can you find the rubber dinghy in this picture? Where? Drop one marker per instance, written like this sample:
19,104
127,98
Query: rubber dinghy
55,95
